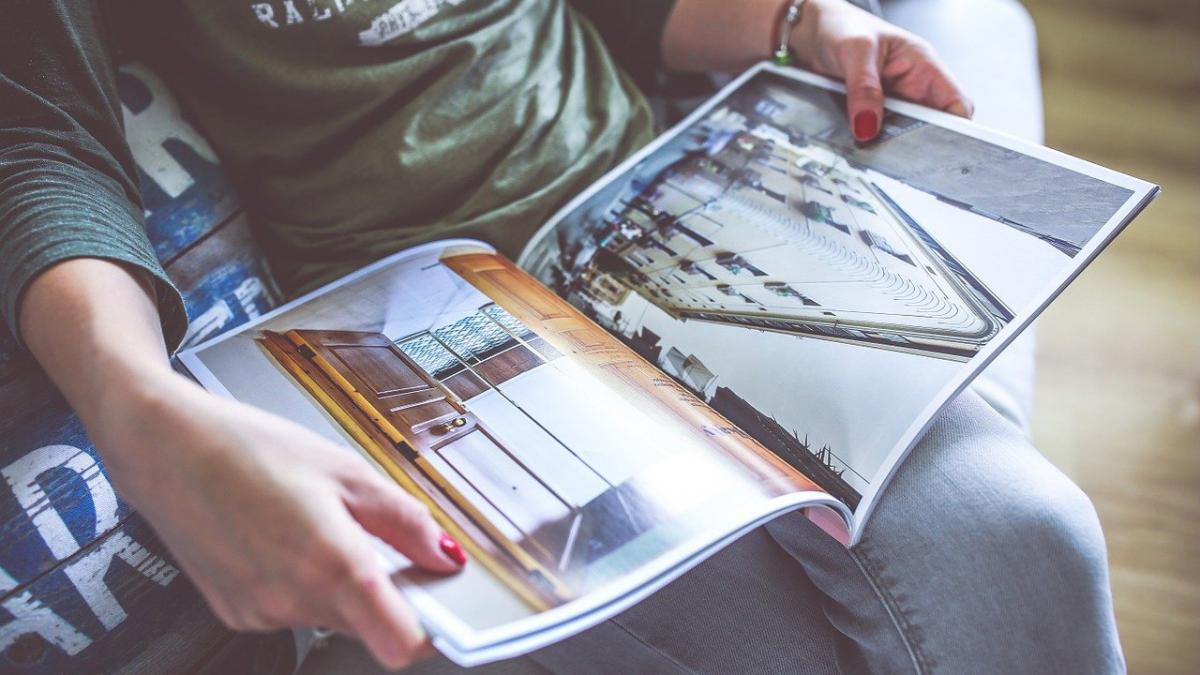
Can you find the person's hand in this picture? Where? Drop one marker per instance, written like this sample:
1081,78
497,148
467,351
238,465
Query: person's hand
872,56
268,519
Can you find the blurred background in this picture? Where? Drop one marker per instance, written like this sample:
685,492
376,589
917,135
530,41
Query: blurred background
1118,395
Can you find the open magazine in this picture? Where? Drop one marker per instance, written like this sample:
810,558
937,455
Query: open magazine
753,315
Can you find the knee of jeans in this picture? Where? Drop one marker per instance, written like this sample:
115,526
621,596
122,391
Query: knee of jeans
994,484
1055,523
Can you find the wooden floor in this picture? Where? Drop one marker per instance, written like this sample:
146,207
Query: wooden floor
1118,398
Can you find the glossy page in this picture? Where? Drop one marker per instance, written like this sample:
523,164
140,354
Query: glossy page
828,296
577,475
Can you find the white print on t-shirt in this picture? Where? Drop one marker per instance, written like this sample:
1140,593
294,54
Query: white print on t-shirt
292,12
404,16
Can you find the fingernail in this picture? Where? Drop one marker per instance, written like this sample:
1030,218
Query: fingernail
452,549
961,109
866,125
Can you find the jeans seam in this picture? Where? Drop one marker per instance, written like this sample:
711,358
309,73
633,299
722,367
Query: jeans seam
899,618
683,668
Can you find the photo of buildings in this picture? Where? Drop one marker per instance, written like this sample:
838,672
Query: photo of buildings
756,231
818,290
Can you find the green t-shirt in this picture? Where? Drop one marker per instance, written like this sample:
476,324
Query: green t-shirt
352,128
355,129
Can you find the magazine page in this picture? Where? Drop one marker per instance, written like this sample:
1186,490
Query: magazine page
577,476
827,296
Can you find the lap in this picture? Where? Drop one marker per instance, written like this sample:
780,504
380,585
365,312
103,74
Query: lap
747,609
981,556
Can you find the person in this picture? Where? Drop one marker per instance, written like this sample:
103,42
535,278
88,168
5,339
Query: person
355,128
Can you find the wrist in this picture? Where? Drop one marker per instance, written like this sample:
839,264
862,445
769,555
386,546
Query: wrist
803,35
133,399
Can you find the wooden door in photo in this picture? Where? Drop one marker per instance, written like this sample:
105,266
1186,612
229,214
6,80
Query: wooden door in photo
406,402
438,433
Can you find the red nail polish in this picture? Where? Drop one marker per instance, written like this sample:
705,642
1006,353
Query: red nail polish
866,125
452,549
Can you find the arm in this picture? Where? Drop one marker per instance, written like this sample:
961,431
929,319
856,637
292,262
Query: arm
833,37
68,187
267,518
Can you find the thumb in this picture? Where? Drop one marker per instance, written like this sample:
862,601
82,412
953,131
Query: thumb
864,91
388,512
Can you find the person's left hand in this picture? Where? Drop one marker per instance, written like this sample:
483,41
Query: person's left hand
872,56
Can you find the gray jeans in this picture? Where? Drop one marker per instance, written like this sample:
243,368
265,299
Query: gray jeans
980,558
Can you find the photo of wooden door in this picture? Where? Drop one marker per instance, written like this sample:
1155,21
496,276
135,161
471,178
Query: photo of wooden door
406,402
437,432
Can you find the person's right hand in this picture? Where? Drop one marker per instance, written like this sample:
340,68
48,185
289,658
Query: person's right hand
268,519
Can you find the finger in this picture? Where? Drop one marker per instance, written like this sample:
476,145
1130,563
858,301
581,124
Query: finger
946,94
377,614
362,601
859,59
241,616
919,76
248,620
391,514
962,109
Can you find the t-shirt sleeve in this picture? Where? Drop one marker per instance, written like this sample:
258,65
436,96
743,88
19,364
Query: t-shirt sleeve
632,30
68,185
